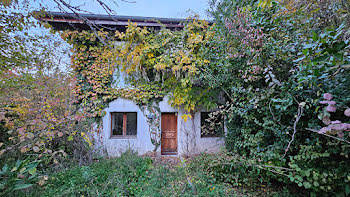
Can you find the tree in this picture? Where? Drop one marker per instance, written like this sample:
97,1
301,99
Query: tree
37,110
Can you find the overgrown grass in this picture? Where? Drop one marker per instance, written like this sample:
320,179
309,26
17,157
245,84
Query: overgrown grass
131,175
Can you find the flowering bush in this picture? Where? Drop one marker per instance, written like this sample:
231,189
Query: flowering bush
274,84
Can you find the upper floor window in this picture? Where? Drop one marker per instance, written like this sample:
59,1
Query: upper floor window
212,124
123,124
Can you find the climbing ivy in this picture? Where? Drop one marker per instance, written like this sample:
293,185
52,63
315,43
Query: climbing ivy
156,63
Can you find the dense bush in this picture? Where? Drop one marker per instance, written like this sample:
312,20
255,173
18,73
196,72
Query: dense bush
275,65
38,118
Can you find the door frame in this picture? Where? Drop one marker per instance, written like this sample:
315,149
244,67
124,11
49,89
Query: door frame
176,135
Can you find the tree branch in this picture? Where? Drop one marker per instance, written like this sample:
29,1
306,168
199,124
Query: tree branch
315,131
300,113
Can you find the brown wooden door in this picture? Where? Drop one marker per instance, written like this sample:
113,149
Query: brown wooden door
169,134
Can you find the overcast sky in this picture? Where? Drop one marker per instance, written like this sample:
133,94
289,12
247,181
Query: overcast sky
151,8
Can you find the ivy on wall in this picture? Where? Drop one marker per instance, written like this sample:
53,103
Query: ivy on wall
156,63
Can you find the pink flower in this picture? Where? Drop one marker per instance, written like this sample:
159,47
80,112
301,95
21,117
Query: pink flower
347,112
337,127
328,96
324,130
21,130
328,102
336,122
331,108
340,134
346,125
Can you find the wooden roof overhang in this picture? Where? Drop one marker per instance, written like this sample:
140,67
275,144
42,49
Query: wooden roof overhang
62,21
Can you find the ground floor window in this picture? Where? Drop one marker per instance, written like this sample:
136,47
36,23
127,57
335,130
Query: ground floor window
123,124
212,124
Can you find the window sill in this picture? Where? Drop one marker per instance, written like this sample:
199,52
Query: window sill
123,137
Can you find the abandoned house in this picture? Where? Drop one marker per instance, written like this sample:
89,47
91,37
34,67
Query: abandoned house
125,125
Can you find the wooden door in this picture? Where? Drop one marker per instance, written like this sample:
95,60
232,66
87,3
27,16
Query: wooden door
169,134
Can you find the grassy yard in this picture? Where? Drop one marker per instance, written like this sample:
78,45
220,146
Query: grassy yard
132,175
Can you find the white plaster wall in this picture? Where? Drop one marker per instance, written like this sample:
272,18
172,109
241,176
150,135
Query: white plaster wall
197,143
115,146
206,144
189,140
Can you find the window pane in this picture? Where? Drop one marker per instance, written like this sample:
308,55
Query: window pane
204,116
117,123
211,126
131,123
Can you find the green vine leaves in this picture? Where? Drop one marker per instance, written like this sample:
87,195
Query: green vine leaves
157,63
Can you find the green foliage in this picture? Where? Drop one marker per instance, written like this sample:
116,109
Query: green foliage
324,56
20,176
131,175
230,169
121,176
156,63
273,60
245,176
269,82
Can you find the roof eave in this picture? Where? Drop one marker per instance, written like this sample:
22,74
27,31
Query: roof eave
61,21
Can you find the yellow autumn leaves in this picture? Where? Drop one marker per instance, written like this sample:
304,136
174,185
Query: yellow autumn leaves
171,58
177,51
185,117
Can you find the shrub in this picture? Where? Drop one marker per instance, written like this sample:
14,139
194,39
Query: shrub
20,176
274,93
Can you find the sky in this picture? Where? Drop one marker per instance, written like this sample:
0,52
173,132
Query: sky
149,8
